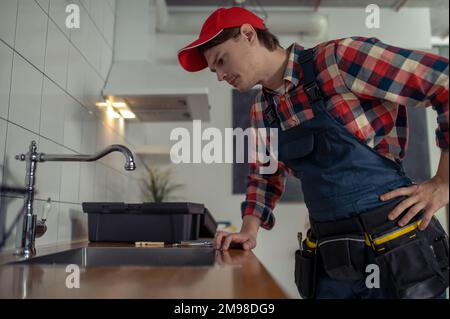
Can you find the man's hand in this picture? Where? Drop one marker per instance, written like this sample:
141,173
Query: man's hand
429,196
246,237
223,240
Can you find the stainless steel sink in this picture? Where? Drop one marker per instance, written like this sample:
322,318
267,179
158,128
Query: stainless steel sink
128,256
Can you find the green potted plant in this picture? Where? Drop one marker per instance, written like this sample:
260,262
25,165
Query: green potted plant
158,186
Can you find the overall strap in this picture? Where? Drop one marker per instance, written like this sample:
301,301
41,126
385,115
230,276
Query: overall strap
310,85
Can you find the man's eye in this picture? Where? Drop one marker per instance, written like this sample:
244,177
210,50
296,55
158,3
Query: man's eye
220,62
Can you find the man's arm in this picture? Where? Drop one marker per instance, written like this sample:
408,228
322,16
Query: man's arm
374,70
263,192
442,172
429,196
250,224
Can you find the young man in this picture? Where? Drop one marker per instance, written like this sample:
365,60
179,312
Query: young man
340,110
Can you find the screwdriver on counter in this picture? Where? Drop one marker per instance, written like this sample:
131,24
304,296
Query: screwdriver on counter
182,243
197,243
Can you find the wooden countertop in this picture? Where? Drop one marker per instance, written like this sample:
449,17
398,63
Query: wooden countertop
235,274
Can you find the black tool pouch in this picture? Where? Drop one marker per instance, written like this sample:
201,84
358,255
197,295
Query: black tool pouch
343,256
305,272
415,265
439,242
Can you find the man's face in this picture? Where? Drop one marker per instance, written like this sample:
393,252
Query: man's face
232,61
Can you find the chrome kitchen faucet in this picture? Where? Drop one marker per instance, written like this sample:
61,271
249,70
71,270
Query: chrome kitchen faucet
30,224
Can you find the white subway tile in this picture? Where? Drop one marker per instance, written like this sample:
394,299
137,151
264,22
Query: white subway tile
43,4
57,55
52,112
73,124
31,32
26,92
98,7
113,191
72,223
58,14
108,26
8,15
64,224
89,134
106,140
70,179
92,89
86,4
106,60
48,175
112,4
101,135
116,160
17,142
3,126
92,47
6,57
88,146
80,36
100,182
76,74
87,180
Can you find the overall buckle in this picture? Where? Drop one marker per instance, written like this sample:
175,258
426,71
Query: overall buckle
313,92
270,115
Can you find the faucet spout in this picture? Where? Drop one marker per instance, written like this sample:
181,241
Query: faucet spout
31,227
130,164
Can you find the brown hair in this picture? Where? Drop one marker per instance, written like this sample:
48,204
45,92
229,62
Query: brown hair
269,40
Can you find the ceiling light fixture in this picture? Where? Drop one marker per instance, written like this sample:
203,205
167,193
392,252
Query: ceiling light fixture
127,114
116,110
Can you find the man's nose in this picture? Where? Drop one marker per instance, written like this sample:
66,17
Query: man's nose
221,76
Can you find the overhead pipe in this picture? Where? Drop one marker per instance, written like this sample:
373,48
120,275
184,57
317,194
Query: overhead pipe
183,20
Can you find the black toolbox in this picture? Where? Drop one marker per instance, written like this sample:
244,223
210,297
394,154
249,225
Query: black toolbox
168,222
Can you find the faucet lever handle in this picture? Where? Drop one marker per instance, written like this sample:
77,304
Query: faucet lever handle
41,227
46,209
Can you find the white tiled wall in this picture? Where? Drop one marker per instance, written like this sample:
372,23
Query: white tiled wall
50,79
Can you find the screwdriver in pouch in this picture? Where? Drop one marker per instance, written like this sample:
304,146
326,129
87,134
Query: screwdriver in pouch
300,240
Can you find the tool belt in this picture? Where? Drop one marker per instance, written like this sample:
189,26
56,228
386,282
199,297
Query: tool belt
412,263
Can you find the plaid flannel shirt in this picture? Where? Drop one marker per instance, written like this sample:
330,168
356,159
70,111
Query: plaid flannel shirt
367,86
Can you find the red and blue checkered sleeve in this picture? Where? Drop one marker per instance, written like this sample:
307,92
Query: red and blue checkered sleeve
372,69
263,190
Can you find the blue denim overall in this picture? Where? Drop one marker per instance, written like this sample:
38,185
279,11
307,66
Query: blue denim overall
341,176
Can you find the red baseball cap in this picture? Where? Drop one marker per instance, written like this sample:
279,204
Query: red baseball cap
191,59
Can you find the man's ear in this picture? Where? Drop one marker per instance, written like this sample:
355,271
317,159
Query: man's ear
248,32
